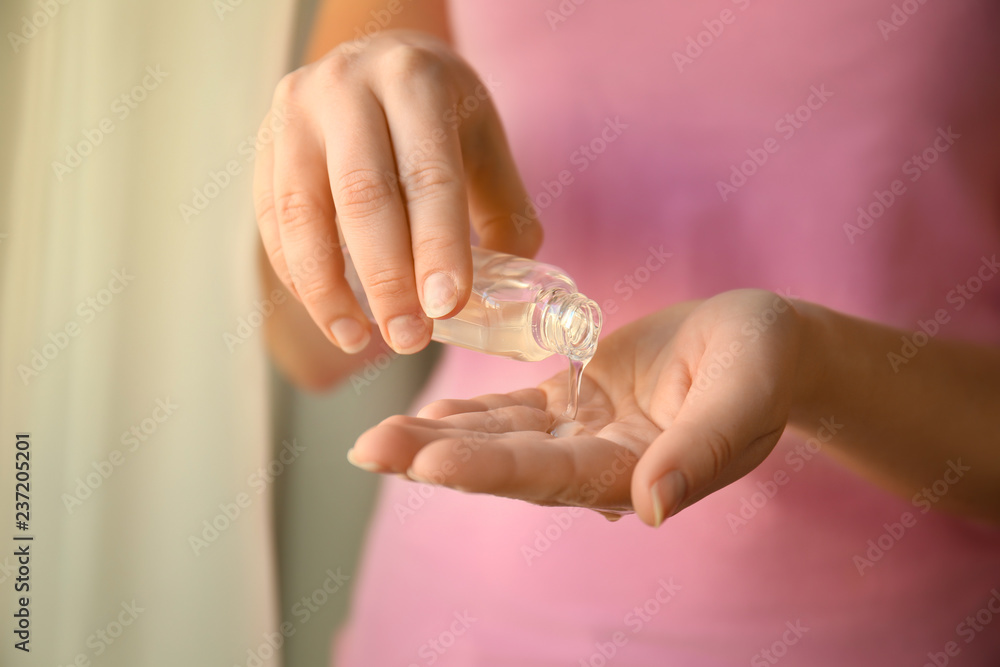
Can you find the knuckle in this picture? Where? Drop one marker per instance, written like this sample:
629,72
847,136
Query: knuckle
402,421
339,63
493,226
263,204
296,210
276,256
436,248
405,61
388,283
288,89
569,490
530,237
288,107
719,448
429,178
362,192
313,280
311,285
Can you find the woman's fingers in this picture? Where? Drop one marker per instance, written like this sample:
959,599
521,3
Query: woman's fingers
532,398
372,217
305,215
392,445
500,421
397,142
500,444
416,97
263,198
585,471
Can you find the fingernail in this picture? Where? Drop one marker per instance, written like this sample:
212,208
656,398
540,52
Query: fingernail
667,492
406,332
351,337
410,474
440,295
368,466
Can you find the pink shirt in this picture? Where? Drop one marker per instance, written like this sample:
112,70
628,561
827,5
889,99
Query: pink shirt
845,153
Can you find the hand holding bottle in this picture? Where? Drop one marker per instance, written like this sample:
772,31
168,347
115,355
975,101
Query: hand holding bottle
397,142
674,406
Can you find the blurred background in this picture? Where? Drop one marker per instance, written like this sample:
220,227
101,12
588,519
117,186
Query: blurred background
185,499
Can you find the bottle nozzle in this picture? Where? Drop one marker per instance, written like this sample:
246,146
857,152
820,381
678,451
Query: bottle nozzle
568,323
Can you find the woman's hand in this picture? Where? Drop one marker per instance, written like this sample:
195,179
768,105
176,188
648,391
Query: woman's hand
673,407
396,141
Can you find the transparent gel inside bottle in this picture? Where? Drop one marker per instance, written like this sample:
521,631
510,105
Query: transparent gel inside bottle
519,308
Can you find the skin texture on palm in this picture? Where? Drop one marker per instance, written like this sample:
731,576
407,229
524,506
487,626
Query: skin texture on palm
673,406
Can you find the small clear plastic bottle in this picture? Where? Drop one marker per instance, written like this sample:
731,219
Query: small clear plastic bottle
519,308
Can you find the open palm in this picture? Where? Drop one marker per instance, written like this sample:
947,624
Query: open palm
673,407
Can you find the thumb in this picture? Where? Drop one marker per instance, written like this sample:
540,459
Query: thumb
715,439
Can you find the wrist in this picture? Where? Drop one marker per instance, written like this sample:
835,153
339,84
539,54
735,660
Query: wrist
813,378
